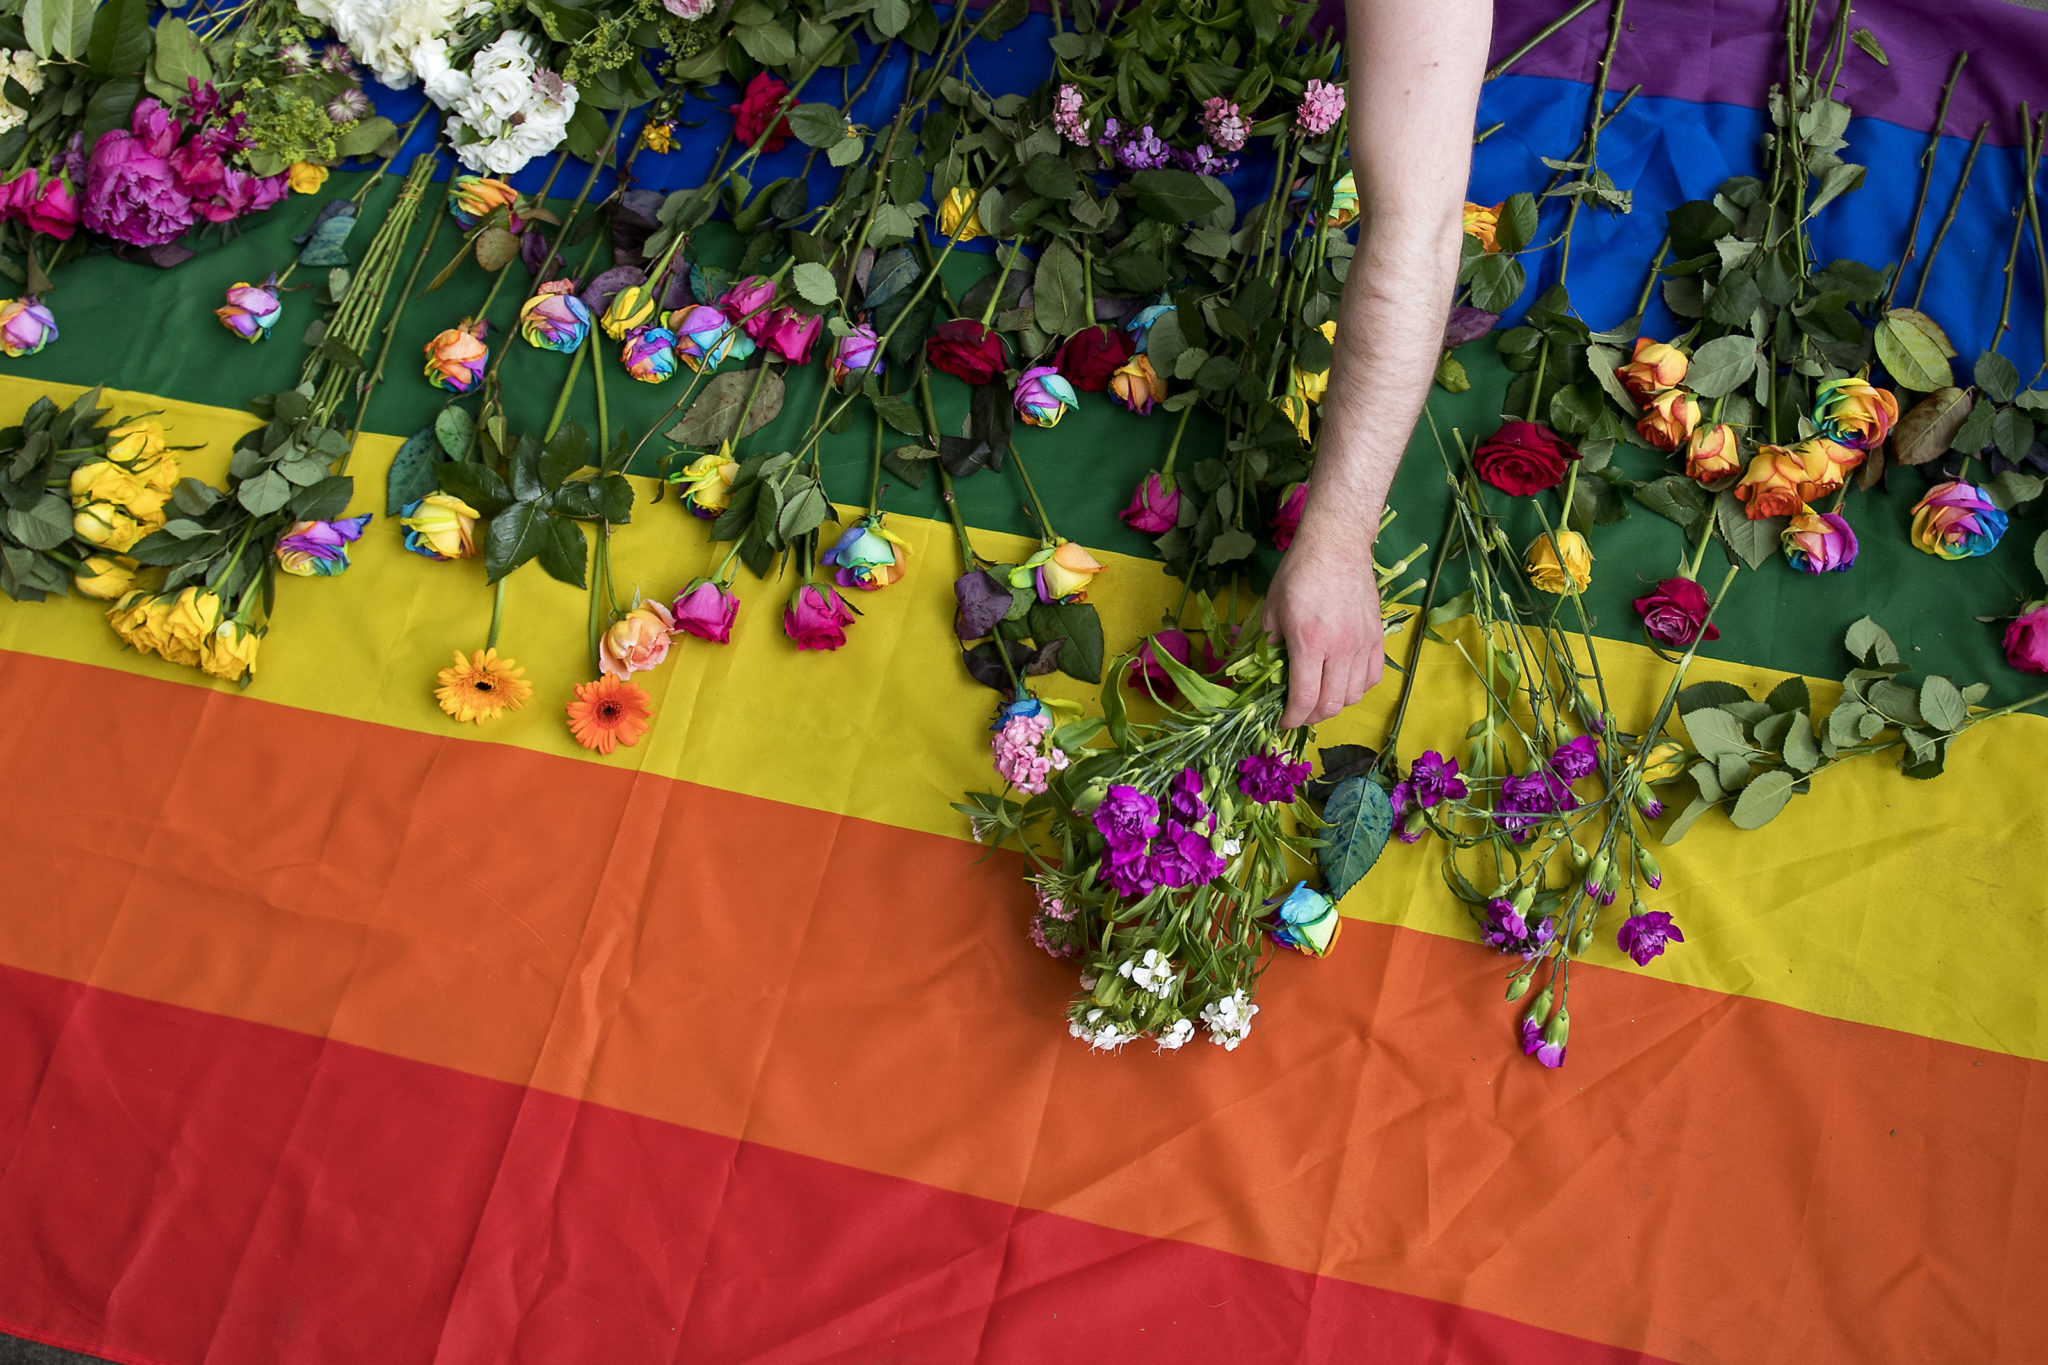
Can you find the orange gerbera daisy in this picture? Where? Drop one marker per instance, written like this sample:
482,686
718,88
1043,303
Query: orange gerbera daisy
481,687
608,713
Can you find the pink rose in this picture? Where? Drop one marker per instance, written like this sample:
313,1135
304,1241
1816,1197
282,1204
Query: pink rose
745,305
816,618
17,194
1155,505
706,610
637,641
790,334
1287,520
54,212
2026,640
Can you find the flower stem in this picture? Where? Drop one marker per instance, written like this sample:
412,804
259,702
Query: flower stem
1388,760
1571,216
1699,549
497,614
1031,490
1173,447
1954,202
391,328
995,295
1542,35
1927,160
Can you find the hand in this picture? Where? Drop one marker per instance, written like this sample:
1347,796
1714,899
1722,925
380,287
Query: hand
1325,604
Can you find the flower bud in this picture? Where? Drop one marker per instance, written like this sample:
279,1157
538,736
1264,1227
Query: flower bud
1579,857
1559,1028
1583,939
1646,863
1539,1009
1519,986
1416,822
1525,898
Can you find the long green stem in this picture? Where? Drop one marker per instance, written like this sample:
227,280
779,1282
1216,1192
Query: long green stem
1955,202
1927,160
1592,157
1541,35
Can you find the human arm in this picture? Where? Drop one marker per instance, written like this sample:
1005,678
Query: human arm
1416,67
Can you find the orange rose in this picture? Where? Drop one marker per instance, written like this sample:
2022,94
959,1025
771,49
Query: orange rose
1781,480
1668,419
1480,224
1656,367
1713,453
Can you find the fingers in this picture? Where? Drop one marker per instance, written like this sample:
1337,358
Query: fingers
1342,685
1304,689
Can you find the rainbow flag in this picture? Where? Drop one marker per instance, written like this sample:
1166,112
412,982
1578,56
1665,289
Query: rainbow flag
332,1033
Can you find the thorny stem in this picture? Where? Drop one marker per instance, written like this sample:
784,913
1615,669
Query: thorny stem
1955,202
1592,136
1927,160
1542,34
2031,157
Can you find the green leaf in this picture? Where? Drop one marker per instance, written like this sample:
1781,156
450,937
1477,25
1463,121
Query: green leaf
1864,39
1754,542
1685,820
1497,281
110,107
567,452
771,44
563,550
815,284
1516,226
1174,196
1059,294
1716,734
366,136
1232,545
714,414
2012,488
1052,177
804,513
1722,366
325,247
1198,690
1675,498
1911,351
455,429
1942,704
1076,623
890,17
817,125
265,493
414,472
1357,821
512,537
1998,377
2041,556
1870,645
1802,751
2012,431
43,525
1790,695
58,28
1762,799
119,44
1836,181
1932,426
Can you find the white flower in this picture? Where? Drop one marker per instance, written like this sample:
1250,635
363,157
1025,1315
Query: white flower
1229,1019
688,10
1175,1037
1104,1036
26,71
1154,973
444,85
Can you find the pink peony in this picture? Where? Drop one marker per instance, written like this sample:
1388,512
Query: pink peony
131,194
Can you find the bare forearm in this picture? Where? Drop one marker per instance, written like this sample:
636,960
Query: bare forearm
1415,73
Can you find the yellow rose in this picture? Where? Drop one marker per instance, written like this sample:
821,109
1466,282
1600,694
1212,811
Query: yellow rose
103,481
1067,573
106,577
135,440
957,216
1480,224
194,615
306,177
631,307
707,482
108,526
1669,419
1712,453
441,526
229,653
1296,408
1656,367
1664,762
1310,384
140,620
1562,566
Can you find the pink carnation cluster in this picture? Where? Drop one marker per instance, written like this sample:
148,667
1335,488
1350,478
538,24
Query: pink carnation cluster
1066,116
1224,122
1022,757
147,183
1322,104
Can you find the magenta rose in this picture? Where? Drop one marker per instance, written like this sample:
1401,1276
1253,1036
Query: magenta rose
1287,520
1155,505
706,610
2026,640
816,618
54,211
790,335
1676,613
131,194
745,305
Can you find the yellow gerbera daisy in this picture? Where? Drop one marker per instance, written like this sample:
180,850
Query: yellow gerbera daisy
482,687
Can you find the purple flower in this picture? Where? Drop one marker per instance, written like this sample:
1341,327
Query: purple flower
1576,758
1403,799
1643,936
1184,796
1524,800
1127,818
1322,104
1128,871
1066,115
1270,777
1182,857
1434,779
319,549
1507,931
1143,151
1204,160
1224,122
152,126
131,193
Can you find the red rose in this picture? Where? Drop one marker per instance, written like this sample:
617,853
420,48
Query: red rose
1523,458
756,107
1675,613
966,350
1092,355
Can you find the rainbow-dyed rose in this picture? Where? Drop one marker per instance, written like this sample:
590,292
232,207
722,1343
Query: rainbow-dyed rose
439,526
630,309
868,555
472,197
704,336
251,310
1655,367
1140,325
456,358
1956,521
1819,542
26,326
1481,223
1043,397
1059,572
554,319
649,354
1137,385
1344,201
1306,920
707,482
1854,413
319,549
856,355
